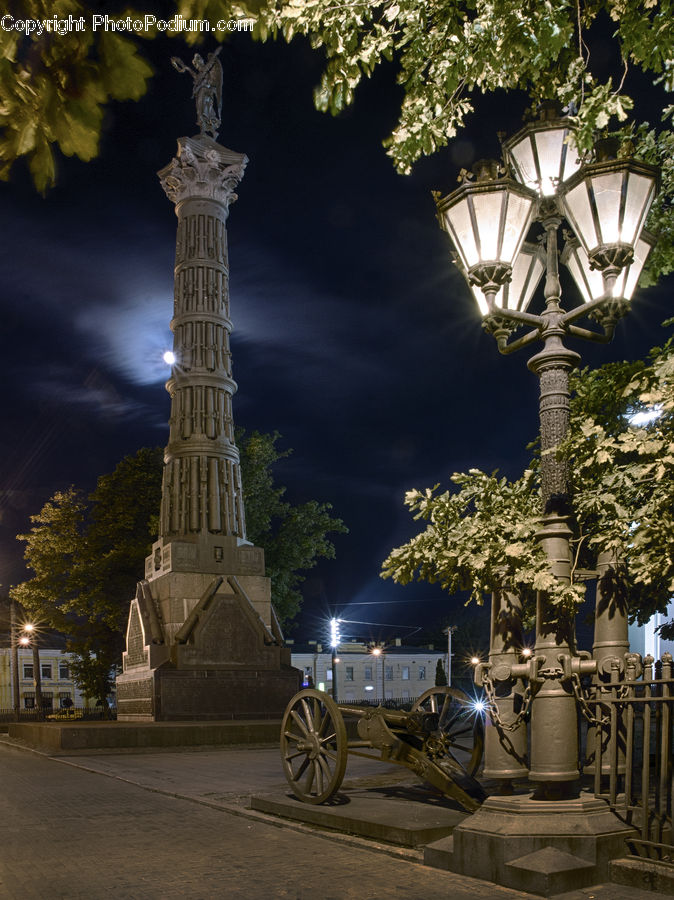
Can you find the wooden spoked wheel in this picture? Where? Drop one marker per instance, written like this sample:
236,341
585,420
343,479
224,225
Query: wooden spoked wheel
459,728
313,746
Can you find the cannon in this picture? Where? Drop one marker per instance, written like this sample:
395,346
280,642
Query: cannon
440,739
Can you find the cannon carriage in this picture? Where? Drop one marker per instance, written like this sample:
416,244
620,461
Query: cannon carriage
440,739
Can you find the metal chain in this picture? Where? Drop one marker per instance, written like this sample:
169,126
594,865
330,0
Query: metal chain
584,704
492,705
585,707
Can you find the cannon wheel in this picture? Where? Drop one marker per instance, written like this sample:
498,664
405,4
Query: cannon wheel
313,746
456,723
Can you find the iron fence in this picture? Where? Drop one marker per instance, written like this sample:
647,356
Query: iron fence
630,754
74,713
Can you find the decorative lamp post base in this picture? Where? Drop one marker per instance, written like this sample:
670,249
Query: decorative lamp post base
542,847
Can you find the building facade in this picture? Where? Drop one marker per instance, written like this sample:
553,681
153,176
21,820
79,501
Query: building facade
645,639
364,673
59,691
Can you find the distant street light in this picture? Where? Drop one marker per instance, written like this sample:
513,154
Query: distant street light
169,357
335,639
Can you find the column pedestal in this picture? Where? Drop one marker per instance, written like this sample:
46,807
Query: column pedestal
540,846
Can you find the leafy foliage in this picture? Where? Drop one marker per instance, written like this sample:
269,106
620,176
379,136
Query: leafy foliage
480,539
449,52
624,474
481,536
440,676
54,87
294,537
86,557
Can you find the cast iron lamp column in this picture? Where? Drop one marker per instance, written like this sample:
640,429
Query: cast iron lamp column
606,203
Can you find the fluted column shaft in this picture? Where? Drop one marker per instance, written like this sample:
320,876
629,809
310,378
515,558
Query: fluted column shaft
201,491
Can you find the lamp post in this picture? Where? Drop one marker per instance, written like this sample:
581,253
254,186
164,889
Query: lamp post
14,651
547,838
449,631
605,202
335,639
377,652
31,639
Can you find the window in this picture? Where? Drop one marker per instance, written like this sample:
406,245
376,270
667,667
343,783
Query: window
28,670
328,675
65,701
64,671
47,701
368,673
348,673
389,673
29,702
422,673
406,673
45,669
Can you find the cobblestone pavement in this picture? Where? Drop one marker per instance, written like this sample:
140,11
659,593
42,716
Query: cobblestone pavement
68,832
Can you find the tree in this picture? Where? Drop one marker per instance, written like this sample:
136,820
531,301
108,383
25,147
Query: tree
294,537
440,676
449,52
86,556
481,537
54,88
622,452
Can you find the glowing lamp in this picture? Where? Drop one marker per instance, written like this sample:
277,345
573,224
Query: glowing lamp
526,275
335,636
543,154
606,203
590,282
487,220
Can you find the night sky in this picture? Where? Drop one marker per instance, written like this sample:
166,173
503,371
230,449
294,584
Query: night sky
354,335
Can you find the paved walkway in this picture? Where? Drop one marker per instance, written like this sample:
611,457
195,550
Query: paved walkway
174,824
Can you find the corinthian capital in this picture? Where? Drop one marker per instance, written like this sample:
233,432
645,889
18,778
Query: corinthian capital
203,169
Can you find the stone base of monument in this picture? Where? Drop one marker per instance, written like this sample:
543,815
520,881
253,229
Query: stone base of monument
175,695
538,846
200,648
77,738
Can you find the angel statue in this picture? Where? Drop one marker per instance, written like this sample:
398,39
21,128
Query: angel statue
207,90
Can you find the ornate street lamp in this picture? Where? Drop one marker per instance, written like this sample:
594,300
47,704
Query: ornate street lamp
545,156
605,202
527,271
592,282
487,220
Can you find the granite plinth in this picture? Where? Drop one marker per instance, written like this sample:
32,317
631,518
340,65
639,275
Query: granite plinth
57,737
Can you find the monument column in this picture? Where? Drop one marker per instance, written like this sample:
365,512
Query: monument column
203,640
